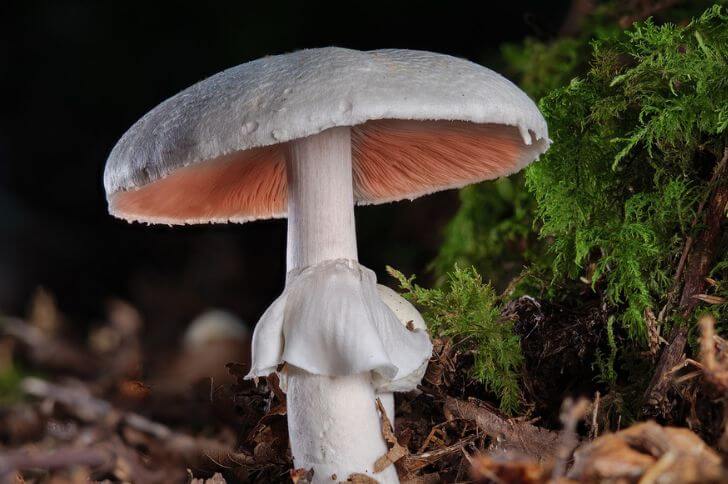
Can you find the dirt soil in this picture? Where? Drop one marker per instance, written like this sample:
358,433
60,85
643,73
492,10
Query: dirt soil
102,407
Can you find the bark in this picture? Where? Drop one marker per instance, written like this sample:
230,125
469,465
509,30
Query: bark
699,255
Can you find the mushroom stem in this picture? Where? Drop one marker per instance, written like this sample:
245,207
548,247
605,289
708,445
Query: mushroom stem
333,423
320,199
334,426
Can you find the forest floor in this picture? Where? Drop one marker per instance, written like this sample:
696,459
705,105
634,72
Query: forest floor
74,412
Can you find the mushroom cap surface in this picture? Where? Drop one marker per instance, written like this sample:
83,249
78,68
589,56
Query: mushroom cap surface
407,314
421,122
410,318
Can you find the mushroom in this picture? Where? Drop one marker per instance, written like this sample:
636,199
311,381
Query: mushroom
411,319
307,135
213,339
212,326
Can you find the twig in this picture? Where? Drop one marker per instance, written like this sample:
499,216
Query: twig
715,369
595,415
412,463
571,413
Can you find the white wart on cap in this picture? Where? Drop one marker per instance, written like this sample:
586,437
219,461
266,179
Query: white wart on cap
421,122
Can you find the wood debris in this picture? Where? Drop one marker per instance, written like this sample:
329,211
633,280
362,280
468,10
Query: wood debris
509,436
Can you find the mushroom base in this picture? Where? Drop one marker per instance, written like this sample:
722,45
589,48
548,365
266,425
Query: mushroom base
334,426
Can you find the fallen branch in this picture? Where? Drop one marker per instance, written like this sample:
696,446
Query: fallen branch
508,435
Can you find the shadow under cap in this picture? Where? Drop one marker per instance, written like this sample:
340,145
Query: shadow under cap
392,160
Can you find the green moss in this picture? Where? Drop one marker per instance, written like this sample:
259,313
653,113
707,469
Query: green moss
498,241
10,379
605,363
468,311
638,119
634,140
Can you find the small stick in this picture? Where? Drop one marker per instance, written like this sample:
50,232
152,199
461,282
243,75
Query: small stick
595,413
571,413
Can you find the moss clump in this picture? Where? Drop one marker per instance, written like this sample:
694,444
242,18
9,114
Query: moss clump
635,141
497,241
467,311
639,122
638,119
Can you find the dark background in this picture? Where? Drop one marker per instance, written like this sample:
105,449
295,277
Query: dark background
75,75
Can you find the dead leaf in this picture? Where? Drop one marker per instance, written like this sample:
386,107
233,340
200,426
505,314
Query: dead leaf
649,452
526,471
44,312
215,479
301,476
133,390
395,451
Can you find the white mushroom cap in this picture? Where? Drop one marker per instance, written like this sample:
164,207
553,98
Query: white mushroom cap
215,325
407,314
411,318
422,122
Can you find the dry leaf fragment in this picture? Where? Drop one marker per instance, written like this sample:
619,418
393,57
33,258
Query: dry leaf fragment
396,451
358,478
711,299
649,452
133,390
215,479
301,475
526,471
